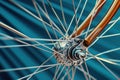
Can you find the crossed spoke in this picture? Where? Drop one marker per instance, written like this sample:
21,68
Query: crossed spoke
62,71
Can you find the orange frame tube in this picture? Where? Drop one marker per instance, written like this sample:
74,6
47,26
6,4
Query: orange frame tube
91,37
85,24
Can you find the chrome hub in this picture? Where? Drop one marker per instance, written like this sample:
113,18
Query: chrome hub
70,52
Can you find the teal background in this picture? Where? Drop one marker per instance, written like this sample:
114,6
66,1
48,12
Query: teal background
13,16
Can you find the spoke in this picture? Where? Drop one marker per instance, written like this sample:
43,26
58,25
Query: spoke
73,72
82,11
112,21
66,69
36,72
83,33
83,24
22,35
86,32
88,29
42,19
63,16
86,78
105,31
35,46
56,15
31,39
113,60
25,43
105,52
73,17
15,46
67,72
49,44
12,29
16,31
26,68
86,73
60,73
106,67
49,19
13,38
87,69
30,13
108,61
56,72
39,67
91,19
112,35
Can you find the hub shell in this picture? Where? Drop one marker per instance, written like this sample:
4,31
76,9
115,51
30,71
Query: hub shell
70,52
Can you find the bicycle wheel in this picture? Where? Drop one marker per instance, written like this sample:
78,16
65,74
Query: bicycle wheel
32,31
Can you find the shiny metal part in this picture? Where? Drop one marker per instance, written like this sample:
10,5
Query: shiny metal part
70,52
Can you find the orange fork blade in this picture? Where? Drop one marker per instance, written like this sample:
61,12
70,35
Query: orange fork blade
91,37
85,24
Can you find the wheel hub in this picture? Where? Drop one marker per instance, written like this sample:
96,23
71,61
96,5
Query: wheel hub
70,52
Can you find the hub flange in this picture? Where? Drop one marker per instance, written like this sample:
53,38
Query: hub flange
70,52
